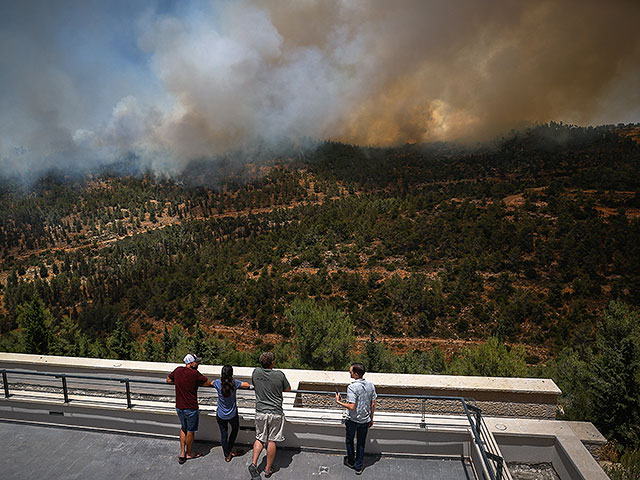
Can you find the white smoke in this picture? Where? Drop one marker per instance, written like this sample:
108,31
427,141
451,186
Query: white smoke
232,75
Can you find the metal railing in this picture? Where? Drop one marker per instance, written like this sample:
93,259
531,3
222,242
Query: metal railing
494,464
65,388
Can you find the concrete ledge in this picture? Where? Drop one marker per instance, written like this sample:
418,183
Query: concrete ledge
496,396
308,430
548,441
590,437
529,440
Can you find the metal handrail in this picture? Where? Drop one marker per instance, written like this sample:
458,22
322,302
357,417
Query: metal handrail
64,376
475,419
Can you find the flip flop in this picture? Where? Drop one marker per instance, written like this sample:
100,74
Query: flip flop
181,460
195,455
253,470
268,473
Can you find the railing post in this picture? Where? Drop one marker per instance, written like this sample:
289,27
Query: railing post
499,470
423,421
128,388
65,391
477,416
499,464
5,382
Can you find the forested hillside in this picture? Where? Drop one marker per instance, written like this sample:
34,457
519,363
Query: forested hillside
516,258
526,240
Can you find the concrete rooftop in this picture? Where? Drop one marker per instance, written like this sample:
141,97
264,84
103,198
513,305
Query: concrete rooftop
38,451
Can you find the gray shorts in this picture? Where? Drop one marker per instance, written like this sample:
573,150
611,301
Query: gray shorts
269,427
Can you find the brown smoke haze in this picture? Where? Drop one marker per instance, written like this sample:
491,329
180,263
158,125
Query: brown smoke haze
233,75
380,72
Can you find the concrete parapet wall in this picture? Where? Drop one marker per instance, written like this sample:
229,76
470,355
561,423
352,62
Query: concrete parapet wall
590,437
540,441
495,396
443,407
518,412
307,429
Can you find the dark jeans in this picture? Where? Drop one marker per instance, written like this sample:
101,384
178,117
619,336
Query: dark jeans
227,444
358,430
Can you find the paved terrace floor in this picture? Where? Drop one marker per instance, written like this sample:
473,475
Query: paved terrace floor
36,451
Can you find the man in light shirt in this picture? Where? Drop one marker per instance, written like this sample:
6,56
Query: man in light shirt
361,403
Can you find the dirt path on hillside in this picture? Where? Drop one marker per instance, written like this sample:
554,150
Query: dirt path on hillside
244,338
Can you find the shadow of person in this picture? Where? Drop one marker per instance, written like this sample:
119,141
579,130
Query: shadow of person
284,457
201,447
370,458
242,451
239,452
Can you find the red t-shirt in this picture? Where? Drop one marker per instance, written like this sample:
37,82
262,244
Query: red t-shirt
187,381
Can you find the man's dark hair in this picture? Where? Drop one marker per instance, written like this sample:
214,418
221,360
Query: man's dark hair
267,359
358,369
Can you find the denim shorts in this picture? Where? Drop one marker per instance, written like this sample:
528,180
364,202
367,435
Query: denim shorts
188,419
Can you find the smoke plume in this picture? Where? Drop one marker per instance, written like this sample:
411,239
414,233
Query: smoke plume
199,79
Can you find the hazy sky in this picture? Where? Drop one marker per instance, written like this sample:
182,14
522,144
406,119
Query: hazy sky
83,82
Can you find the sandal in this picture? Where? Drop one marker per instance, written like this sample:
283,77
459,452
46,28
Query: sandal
268,473
253,470
181,460
195,455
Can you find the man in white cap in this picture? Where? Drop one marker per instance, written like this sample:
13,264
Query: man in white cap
187,379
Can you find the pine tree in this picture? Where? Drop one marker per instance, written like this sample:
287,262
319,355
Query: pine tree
168,344
120,342
615,384
35,321
377,357
323,335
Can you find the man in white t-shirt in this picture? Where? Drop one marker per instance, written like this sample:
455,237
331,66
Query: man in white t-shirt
361,403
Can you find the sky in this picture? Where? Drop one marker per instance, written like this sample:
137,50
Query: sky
87,82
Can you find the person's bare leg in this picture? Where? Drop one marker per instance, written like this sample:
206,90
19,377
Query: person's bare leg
253,467
189,441
183,442
271,455
257,450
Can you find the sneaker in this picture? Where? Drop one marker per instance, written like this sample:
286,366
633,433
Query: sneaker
253,470
359,472
347,463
